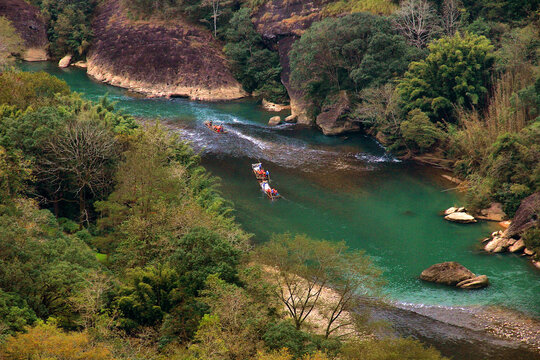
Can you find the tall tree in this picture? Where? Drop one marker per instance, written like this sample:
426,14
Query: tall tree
82,153
417,21
304,269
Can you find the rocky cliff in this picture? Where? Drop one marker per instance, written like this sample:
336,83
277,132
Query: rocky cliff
29,24
281,22
158,58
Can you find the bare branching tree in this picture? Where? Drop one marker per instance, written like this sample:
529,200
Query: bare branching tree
451,16
79,158
90,300
417,21
319,279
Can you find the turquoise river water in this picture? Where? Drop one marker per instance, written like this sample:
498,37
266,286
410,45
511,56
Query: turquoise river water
342,188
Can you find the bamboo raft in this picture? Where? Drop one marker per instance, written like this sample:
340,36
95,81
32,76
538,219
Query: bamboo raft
215,128
259,177
265,188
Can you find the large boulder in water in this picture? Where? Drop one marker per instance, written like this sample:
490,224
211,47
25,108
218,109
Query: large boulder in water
274,120
65,61
454,274
460,217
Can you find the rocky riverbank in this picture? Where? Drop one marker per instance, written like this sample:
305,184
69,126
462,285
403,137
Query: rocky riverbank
159,58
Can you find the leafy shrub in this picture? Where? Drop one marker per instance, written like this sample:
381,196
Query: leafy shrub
69,226
378,7
419,132
284,335
23,89
46,341
456,72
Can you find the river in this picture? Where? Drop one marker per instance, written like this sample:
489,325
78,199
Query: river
348,188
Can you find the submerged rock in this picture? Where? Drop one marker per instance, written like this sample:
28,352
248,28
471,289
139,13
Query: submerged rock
80,64
274,120
64,62
460,217
454,274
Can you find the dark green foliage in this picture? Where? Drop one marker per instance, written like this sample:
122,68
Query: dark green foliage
255,67
348,53
39,262
38,120
510,173
69,25
148,295
284,334
531,238
14,314
419,133
203,252
456,72
501,10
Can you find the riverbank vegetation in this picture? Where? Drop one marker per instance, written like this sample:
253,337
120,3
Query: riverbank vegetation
461,90
116,244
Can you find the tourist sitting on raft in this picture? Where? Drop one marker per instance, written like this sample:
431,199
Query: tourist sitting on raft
268,190
216,128
260,171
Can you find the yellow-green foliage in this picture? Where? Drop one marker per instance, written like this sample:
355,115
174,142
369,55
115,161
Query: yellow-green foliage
379,7
46,341
10,42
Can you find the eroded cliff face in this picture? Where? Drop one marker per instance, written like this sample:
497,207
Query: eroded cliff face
27,20
282,22
159,59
